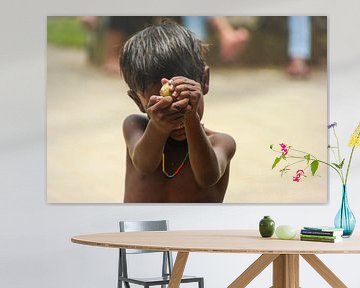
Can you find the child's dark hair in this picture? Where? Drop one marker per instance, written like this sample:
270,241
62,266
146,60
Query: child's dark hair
161,51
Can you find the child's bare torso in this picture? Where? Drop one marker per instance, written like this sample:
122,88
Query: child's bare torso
182,188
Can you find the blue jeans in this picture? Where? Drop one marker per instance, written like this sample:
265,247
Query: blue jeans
196,24
299,43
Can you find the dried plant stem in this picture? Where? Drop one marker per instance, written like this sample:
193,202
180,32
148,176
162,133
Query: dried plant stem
338,149
352,152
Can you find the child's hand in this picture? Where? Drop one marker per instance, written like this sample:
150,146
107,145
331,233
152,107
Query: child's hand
166,114
184,88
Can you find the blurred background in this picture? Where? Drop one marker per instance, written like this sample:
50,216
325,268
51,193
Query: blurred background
268,86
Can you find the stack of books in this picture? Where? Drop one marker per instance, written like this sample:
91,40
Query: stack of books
321,234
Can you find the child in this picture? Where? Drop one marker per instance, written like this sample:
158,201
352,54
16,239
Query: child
171,156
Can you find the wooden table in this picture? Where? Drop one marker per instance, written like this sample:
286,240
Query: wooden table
284,254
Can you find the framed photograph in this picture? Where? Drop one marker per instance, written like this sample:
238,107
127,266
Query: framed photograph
186,109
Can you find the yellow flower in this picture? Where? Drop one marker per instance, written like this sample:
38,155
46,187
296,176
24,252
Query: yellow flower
355,138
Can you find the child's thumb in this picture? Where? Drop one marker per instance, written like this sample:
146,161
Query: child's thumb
164,81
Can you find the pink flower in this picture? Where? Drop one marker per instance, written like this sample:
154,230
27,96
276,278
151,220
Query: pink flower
284,149
298,175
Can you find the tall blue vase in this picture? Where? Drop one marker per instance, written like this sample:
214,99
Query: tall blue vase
345,218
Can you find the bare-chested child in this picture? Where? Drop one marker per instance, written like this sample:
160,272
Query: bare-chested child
171,155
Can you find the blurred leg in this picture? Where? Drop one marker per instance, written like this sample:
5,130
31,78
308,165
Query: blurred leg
299,45
232,41
196,24
113,42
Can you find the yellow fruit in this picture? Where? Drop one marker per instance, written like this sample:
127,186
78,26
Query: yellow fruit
165,90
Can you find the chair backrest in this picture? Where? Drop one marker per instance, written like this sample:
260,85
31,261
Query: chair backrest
134,226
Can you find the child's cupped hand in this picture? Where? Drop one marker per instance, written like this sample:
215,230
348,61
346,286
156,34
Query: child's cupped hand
184,88
166,113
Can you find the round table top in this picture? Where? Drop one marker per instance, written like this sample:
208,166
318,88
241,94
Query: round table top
220,241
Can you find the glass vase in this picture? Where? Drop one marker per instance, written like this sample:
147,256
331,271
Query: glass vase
345,219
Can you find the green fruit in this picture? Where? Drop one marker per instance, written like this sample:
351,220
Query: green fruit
165,90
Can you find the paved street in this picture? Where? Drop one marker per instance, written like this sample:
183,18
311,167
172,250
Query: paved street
258,107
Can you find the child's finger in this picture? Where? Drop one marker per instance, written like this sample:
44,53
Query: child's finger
163,103
164,81
182,80
180,104
153,100
184,87
185,95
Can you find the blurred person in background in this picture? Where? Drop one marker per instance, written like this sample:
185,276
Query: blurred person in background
232,40
299,45
117,30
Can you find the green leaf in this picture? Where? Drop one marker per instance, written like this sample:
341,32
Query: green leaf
277,160
339,166
307,157
314,166
336,165
342,163
271,146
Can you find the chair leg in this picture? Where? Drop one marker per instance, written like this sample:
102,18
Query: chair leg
201,283
120,284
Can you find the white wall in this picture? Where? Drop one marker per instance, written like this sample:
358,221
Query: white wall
35,248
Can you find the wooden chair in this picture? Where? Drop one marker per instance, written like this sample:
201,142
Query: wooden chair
167,262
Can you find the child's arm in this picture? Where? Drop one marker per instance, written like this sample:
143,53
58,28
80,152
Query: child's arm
209,156
146,140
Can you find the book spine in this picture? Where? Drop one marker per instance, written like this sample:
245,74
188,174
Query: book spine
318,239
319,236
320,233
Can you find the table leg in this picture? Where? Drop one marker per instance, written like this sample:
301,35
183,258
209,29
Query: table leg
324,271
178,269
293,261
253,270
286,271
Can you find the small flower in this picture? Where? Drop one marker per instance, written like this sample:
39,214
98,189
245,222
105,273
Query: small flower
332,125
298,175
355,138
284,149
287,153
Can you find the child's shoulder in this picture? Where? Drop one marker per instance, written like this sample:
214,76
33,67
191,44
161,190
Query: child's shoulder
218,135
222,140
135,122
136,119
